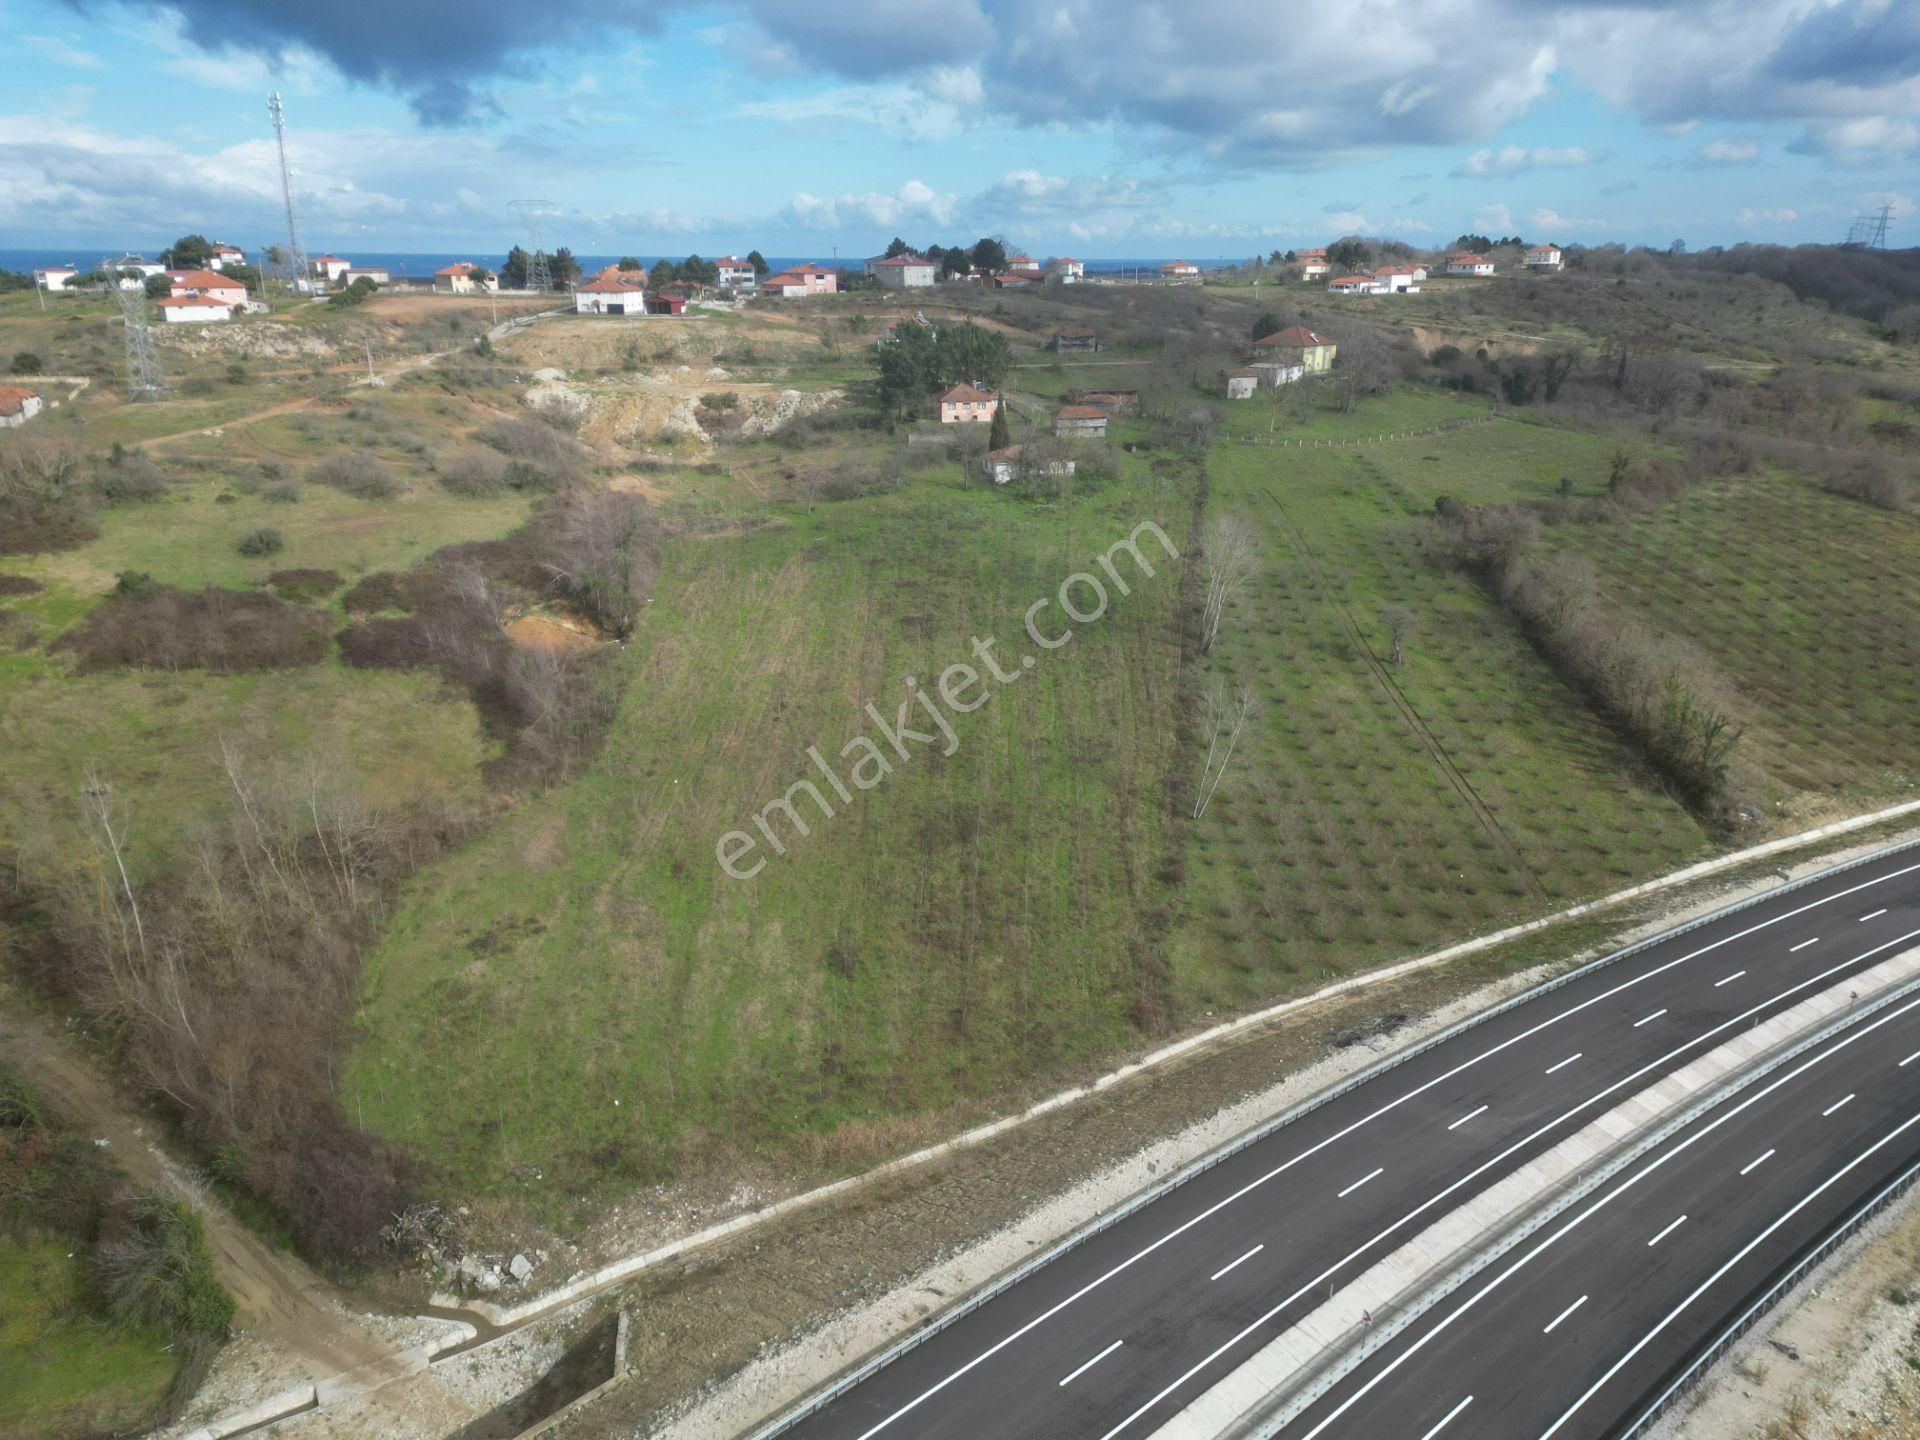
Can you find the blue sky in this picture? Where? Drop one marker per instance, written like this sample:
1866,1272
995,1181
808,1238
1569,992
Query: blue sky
1088,127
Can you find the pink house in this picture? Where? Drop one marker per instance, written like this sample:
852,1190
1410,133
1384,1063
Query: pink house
964,405
807,279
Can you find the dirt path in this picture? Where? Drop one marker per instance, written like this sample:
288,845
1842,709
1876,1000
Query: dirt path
279,1298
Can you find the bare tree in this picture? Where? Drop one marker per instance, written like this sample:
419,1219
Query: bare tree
1225,720
1400,622
1365,367
1230,554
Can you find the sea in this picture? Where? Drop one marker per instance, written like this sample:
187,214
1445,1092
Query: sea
419,265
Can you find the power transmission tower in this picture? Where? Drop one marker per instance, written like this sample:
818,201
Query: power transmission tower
298,271
144,380
533,214
1869,232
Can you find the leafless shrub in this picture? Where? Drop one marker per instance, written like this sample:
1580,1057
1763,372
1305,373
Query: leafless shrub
360,473
556,461
224,631
1229,557
42,495
474,474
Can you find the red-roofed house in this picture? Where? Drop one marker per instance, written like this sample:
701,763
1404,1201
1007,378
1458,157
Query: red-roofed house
807,279
615,293
1467,263
463,277
210,284
903,272
17,405
330,267
1015,279
222,256
1180,270
1067,268
194,310
1080,422
1353,285
1395,278
966,405
1297,345
1543,257
733,273
1312,267
1023,263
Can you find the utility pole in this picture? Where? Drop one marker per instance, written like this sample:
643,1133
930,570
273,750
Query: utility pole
144,380
297,269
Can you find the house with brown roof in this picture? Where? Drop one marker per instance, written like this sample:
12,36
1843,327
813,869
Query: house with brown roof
1080,422
1467,263
903,272
1180,270
222,255
1070,270
463,277
1297,345
619,292
1025,264
1353,285
209,283
733,273
1313,267
18,405
966,404
801,280
330,267
1543,257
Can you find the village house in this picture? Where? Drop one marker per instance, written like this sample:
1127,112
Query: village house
330,267
459,278
1242,383
806,279
207,284
733,273
1066,342
1314,269
1070,270
1398,279
222,255
1297,345
195,310
1467,263
1080,422
1015,279
133,272
1180,270
1277,372
1353,285
615,293
1543,257
659,304
903,272
1024,264
965,404
55,277
18,405
1004,466
378,274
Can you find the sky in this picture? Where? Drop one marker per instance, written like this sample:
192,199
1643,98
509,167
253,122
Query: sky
1096,128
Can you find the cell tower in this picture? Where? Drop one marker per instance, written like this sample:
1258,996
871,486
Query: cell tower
144,380
533,214
299,273
1869,232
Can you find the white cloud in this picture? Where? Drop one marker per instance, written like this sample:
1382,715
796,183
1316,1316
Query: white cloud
1513,159
913,204
1868,140
919,114
1767,217
1493,220
1546,218
1729,152
61,51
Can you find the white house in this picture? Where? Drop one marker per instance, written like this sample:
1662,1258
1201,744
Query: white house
1397,279
1543,257
903,272
1025,264
965,405
734,273
1003,466
807,279
17,406
1277,372
208,285
1180,270
1354,285
225,255
1467,263
459,279
1067,268
132,270
1242,383
611,294
330,267
55,277
376,273
194,310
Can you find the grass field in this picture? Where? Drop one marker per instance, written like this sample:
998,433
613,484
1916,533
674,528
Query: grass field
584,996
64,1372
1340,838
1807,602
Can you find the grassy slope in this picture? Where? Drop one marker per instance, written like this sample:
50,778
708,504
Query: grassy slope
965,925
62,1372
1336,840
1806,601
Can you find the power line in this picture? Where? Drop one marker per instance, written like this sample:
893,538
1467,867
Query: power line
144,380
533,214
1869,232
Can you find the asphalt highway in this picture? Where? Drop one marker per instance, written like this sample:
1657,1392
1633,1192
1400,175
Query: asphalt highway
1114,1336
1578,1329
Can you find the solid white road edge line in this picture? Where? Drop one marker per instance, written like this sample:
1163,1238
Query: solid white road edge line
1554,1324
1685,1144
1241,1261
1076,1374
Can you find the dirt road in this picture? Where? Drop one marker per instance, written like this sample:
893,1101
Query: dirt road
279,1298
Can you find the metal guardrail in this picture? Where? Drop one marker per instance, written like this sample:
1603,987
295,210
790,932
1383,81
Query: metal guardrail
1736,1329
1301,1397
837,1386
